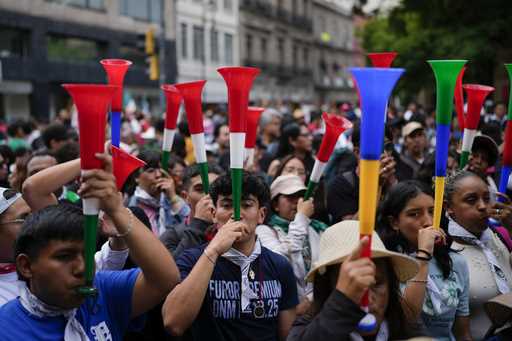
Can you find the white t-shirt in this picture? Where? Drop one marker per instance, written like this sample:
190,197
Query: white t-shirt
10,287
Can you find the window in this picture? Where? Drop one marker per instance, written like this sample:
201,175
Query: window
198,36
211,5
263,49
295,56
93,4
73,49
214,45
228,48
280,50
184,39
148,10
228,5
280,6
14,42
306,56
323,26
248,46
295,5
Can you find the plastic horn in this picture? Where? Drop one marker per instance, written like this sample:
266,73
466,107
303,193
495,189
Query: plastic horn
476,95
334,127
507,150
239,82
173,101
374,88
116,70
92,103
191,93
124,165
459,100
446,72
382,59
253,118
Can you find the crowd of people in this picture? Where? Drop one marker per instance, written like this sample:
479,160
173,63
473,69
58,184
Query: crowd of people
173,264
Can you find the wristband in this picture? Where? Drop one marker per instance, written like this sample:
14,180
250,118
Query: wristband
429,255
207,256
426,259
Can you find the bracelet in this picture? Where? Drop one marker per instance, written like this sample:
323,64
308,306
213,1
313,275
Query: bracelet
130,225
426,259
418,281
425,252
209,258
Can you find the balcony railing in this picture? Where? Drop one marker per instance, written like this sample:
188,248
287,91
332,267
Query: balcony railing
280,71
265,9
334,82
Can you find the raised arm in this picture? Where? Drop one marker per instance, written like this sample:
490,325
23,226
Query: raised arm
184,302
39,188
414,293
159,271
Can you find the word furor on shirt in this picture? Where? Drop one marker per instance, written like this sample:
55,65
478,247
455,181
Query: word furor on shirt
226,297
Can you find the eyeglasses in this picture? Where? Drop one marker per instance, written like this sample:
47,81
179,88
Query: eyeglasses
14,221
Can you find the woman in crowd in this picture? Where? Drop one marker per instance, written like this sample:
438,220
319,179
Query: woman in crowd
291,232
292,164
340,279
295,165
469,206
438,294
297,140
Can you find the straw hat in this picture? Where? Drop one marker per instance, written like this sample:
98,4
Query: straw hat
338,242
499,309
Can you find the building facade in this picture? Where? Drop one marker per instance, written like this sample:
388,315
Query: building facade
335,49
45,43
277,36
207,39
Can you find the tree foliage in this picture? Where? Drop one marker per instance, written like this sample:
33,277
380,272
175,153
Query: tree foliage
420,30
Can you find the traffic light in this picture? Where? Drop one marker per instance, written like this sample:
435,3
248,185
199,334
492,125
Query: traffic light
153,68
150,42
146,43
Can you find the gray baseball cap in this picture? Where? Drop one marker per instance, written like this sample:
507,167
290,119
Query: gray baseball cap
7,198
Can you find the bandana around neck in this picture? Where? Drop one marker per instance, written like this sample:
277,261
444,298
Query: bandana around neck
276,220
455,230
244,262
73,331
145,198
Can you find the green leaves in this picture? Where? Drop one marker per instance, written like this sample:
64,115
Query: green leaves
442,29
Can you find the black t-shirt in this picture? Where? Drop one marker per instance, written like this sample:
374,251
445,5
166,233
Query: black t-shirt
220,317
